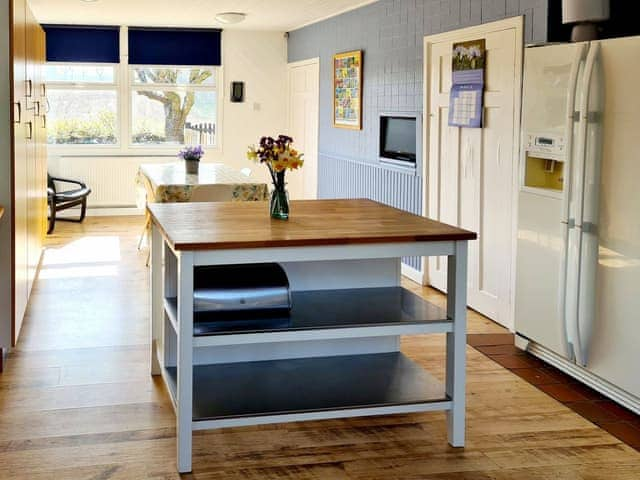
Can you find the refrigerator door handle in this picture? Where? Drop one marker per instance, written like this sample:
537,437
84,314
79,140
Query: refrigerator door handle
590,215
577,200
569,125
569,121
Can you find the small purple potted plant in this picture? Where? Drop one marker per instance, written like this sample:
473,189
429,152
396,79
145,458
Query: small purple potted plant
191,157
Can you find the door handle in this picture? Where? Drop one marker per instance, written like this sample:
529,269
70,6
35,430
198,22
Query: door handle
17,112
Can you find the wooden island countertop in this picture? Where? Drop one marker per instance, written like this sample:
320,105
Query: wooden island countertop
231,225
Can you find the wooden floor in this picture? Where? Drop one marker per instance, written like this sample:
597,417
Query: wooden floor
77,401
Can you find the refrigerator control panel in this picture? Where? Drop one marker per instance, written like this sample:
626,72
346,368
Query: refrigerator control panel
542,145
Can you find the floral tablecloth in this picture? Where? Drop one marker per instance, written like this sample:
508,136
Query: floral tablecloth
215,182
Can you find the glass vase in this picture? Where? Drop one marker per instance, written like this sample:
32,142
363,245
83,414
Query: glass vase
192,166
279,204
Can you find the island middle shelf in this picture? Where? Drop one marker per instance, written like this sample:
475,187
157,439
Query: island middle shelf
321,314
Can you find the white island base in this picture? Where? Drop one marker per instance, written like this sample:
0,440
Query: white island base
338,356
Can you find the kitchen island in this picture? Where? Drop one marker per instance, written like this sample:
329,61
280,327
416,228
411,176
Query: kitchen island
338,355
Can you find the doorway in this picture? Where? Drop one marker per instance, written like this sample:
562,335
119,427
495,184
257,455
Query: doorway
471,172
303,102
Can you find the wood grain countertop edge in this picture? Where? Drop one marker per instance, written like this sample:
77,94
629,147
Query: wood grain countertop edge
462,235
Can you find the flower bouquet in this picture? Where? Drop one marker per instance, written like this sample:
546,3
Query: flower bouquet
191,157
279,156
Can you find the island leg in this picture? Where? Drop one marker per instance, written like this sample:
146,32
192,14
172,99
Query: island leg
156,300
184,401
456,342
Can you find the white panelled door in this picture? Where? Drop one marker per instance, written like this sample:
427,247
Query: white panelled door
471,171
303,81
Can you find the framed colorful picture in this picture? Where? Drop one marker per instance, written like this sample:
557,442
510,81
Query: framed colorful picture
347,90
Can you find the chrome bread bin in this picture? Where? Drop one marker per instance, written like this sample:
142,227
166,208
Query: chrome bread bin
229,290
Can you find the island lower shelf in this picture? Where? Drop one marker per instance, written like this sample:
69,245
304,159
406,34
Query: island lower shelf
308,388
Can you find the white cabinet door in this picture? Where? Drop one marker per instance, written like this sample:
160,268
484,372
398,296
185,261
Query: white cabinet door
303,110
471,171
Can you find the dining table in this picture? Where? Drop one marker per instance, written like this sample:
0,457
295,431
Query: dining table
214,182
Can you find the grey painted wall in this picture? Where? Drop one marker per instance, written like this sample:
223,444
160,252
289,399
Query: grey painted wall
390,32
5,179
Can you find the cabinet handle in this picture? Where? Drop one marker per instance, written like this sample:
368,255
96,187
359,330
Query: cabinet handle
29,88
29,126
35,106
17,112
44,121
44,90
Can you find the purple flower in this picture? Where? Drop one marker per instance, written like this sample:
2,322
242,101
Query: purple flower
191,153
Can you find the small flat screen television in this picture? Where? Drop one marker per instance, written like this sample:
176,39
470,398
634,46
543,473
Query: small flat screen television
398,138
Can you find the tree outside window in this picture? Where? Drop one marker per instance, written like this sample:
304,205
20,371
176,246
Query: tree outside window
179,108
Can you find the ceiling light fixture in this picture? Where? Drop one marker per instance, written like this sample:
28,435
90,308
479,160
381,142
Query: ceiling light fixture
229,18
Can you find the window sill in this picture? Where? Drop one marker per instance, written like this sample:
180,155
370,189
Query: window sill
116,152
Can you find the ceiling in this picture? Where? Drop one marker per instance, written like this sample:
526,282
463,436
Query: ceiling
278,15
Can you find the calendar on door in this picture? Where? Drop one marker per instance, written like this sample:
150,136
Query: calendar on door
466,96
465,109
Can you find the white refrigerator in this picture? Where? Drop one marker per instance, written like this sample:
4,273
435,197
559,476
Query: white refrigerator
577,301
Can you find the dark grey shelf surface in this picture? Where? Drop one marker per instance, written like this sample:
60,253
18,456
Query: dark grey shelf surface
304,385
323,309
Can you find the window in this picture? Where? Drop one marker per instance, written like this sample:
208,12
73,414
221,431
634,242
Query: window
161,99
167,106
173,105
82,104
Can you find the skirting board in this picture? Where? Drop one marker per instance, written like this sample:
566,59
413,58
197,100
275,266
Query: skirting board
412,274
585,376
102,212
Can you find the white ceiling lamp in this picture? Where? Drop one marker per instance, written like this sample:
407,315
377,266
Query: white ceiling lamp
229,18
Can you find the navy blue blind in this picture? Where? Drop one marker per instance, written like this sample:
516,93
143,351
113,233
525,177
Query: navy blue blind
174,46
71,43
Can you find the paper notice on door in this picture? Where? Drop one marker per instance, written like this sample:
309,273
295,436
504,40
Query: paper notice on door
466,96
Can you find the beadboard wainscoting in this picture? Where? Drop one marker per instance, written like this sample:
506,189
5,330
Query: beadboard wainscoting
347,178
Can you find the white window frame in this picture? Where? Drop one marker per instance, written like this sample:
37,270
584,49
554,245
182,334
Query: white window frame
123,84
68,85
133,87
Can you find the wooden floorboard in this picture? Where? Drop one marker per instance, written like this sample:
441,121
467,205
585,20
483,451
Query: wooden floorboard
77,401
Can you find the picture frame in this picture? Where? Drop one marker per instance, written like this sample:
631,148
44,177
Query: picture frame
347,90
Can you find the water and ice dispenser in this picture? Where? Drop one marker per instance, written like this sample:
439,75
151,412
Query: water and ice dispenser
544,162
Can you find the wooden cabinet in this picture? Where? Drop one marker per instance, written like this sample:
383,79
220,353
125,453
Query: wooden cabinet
29,156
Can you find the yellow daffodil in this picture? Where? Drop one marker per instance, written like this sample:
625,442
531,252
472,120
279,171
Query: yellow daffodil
252,154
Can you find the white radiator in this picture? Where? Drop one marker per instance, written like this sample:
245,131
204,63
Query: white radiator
111,179
344,178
